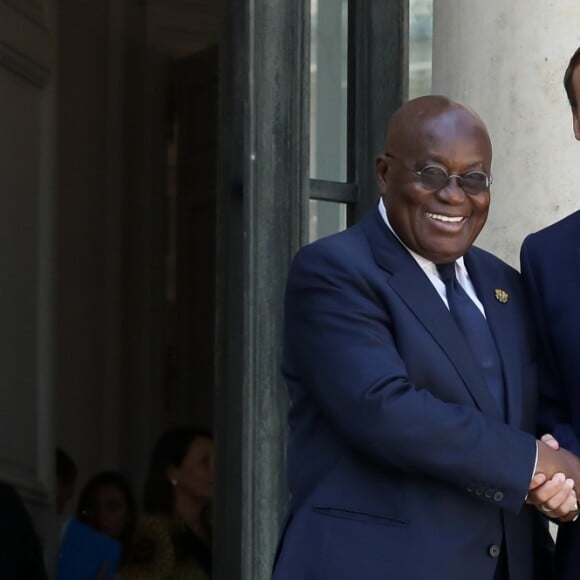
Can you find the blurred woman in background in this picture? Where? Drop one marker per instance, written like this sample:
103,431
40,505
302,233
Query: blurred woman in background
107,505
173,541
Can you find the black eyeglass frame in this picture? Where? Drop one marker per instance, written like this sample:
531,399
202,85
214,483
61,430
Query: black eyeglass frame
460,178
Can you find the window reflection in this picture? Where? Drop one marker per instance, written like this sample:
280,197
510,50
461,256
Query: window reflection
328,109
328,89
326,218
420,47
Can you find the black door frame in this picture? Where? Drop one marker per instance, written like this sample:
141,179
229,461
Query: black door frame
262,213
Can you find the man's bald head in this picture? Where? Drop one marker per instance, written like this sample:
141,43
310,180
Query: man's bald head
414,118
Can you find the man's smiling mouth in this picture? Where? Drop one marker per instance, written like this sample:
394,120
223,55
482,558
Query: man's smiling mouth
445,218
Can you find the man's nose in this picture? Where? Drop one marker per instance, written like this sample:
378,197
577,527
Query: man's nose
452,192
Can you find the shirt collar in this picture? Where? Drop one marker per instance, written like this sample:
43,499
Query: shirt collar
424,263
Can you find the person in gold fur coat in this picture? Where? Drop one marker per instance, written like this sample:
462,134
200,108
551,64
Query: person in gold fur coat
173,539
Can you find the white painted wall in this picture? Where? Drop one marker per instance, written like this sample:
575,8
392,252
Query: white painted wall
506,60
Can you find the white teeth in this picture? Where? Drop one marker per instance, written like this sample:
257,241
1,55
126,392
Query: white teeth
444,218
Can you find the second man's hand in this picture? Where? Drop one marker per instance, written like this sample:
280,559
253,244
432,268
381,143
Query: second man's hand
552,489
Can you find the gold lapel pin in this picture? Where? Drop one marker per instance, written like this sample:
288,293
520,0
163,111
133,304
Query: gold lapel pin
501,295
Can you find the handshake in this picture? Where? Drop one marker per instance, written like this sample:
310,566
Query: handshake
553,486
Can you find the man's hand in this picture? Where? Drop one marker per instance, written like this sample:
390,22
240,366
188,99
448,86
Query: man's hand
551,441
554,497
551,461
553,493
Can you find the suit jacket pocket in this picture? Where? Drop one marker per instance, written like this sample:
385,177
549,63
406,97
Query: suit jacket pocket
346,514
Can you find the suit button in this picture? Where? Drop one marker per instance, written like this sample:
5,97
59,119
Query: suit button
494,551
489,493
479,491
470,490
498,496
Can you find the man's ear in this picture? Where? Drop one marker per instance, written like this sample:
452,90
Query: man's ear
382,167
576,123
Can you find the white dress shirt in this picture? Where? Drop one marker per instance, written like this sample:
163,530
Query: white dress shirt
431,270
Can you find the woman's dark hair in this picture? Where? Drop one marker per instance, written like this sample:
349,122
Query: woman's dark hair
574,62
66,469
88,497
169,451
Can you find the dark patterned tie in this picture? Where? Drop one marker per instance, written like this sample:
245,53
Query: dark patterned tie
474,327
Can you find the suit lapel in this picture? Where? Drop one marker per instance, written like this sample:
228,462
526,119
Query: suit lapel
414,288
501,318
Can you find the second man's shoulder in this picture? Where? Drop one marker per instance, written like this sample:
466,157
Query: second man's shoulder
567,228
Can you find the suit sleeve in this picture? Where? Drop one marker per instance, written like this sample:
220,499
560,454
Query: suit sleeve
340,345
553,410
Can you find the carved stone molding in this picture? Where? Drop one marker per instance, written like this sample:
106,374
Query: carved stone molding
21,65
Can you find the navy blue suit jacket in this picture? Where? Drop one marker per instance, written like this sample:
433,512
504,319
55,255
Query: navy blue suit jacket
399,464
550,261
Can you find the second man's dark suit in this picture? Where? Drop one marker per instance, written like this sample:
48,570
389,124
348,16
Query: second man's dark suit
550,261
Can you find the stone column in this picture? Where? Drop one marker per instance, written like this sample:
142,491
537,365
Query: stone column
27,206
506,60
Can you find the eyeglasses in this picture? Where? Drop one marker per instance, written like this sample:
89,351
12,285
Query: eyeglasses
435,178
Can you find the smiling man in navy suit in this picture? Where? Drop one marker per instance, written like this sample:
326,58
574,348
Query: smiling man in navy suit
550,262
410,366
